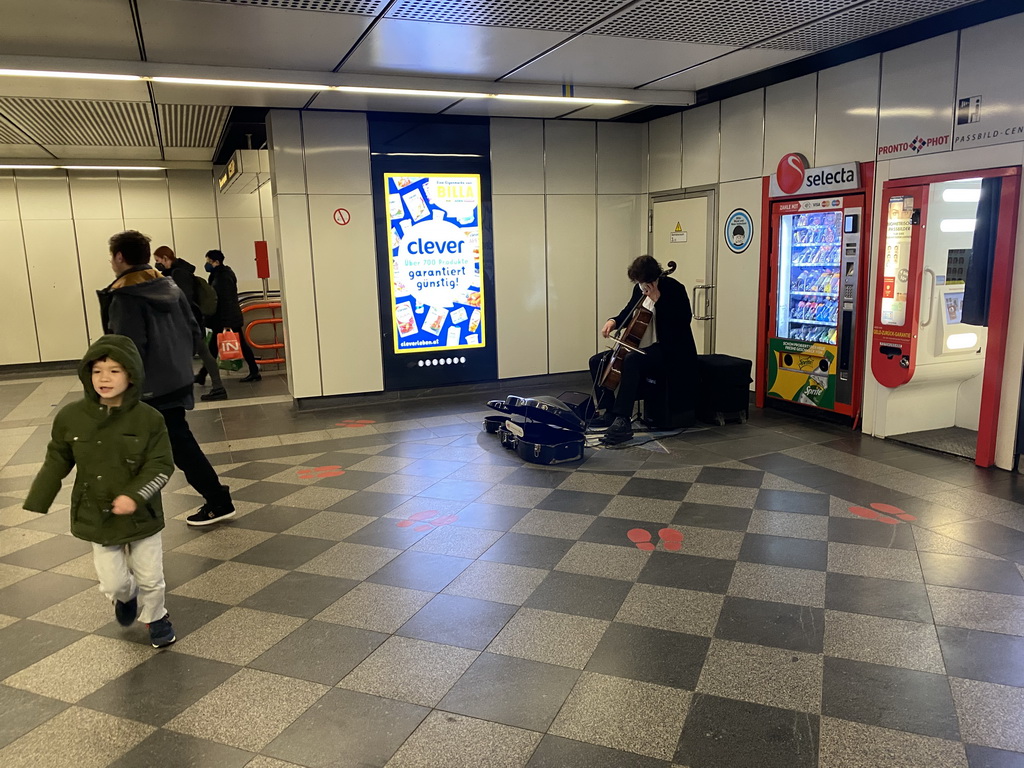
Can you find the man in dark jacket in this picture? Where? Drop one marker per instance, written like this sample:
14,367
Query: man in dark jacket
668,346
229,312
153,312
184,276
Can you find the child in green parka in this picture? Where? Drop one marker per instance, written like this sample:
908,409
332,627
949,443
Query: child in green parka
123,455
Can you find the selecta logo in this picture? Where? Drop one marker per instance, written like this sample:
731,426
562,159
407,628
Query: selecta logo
789,174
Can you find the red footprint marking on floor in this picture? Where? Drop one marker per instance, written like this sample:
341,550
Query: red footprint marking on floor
641,538
671,538
896,512
315,473
353,423
427,519
875,513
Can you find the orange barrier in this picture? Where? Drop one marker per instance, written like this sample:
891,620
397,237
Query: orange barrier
262,321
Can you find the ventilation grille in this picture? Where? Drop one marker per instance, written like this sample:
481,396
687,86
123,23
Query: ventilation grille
11,135
189,125
361,7
82,123
716,22
869,19
557,15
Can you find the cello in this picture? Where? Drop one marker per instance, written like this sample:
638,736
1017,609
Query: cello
628,338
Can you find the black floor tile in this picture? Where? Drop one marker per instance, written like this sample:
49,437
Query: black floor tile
971,573
352,480
48,554
713,516
529,550
531,692
187,613
537,478
702,574
987,757
930,514
987,656
366,729
303,595
411,450
421,570
776,462
285,552
180,567
556,752
30,596
384,532
579,595
160,688
986,535
877,597
781,550
779,625
792,501
264,492
722,733
369,503
23,711
272,519
612,530
433,467
255,470
462,621
870,533
26,642
168,749
650,655
650,488
889,697
319,652
577,502
494,517
744,478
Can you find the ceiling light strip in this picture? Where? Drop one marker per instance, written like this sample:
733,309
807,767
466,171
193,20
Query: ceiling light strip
29,167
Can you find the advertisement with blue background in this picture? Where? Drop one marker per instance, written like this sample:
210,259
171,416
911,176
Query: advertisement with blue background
435,243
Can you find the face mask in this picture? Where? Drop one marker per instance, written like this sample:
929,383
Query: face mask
208,267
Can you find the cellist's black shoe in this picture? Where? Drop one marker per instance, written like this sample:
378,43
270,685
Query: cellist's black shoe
602,421
620,431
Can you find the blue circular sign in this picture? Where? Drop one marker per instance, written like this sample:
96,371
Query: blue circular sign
739,230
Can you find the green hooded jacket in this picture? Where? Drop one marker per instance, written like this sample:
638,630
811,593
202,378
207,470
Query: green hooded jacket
118,451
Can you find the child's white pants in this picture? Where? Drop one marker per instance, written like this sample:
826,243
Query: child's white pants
134,569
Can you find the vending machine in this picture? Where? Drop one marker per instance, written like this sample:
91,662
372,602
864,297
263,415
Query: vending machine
814,296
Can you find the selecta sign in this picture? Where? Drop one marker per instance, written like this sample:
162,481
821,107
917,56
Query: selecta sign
793,177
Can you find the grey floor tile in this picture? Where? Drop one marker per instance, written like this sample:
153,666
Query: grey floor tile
377,607
879,640
299,594
350,561
777,584
971,609
166,749
460,621
497,582
319,652
677,610
971,573
238,635
989,714
77,736
770,676
876,562
229,583
457,541
562,525
556,752
548,637
462,742
23,711
604,560
223,543
846,744
789,524
347,729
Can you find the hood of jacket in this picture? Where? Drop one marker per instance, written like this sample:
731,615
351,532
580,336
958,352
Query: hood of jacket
180,264
121,349
147,283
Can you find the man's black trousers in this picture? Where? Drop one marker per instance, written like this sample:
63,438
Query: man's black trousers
635,368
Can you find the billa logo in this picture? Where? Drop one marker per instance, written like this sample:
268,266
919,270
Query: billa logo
789,174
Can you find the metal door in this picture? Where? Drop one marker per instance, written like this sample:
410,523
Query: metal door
679,231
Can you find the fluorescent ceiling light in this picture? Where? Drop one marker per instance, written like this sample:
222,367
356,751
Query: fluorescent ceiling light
421,154
408,92
957,225
241,83
27,167
72,75
961,195
562,99
113,167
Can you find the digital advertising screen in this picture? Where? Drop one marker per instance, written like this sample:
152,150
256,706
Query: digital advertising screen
437,292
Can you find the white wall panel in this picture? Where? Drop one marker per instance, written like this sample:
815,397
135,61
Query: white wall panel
917,95
95,195
43,195
994,91
337,153
520,288
236,242
192,194
570,157
847,124
300,326
94,266
619,158
18,342
158,231
666,153
144,195
701,145
789,120
56,289
618,219
737,284
572,281
284,138
345,274
8,197
742,136
193,238
517,156
238,206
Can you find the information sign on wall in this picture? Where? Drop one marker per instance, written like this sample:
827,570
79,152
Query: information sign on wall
435,241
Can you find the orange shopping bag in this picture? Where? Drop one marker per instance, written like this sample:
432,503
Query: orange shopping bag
229,345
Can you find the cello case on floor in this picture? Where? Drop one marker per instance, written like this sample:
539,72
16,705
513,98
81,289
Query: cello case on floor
550,434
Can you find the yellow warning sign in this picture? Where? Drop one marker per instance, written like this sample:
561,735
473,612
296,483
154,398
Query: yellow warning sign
679,227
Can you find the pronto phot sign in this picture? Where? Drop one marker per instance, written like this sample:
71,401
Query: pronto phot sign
792,177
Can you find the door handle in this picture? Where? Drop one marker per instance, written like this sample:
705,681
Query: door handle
706,313
931,297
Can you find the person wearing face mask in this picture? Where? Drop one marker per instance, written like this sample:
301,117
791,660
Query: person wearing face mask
229,312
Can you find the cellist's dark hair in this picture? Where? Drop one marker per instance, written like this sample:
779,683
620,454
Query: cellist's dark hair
644,269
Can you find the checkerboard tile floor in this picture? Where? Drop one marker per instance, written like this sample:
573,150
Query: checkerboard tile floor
398,590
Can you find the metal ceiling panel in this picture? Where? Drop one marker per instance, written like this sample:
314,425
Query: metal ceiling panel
364,7
604,111
82,123
725,68
716,22
246,36
503,108
54,88
174,93
396,46
79,152
862,21
9,134
366,102
614,61
191,125
97,29
557,15
23,152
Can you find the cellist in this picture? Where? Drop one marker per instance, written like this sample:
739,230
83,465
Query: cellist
667,344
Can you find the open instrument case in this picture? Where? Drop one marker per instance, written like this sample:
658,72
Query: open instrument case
542,430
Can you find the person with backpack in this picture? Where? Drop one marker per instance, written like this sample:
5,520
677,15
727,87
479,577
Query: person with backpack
229,313
203,301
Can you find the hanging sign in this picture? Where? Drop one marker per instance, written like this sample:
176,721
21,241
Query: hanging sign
793,177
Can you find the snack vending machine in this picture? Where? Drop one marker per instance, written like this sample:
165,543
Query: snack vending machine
814,297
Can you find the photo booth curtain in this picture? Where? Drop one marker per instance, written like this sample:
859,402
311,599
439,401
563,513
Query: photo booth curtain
978,283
